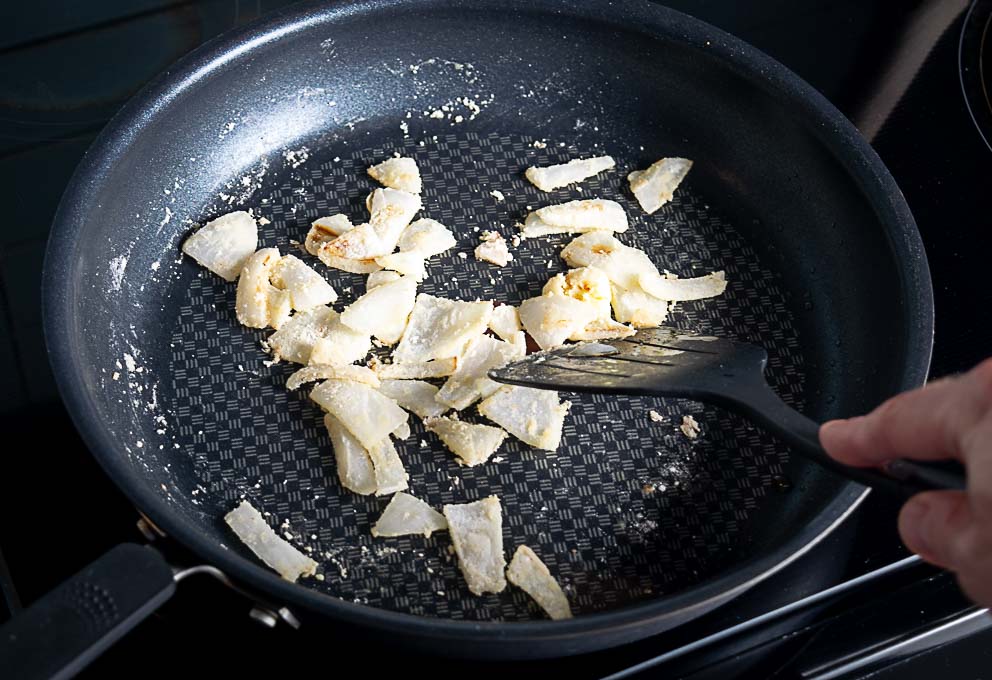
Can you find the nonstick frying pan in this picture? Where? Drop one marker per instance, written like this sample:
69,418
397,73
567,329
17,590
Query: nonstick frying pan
646,528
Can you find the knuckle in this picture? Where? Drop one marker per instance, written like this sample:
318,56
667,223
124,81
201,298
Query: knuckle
886,422
887,412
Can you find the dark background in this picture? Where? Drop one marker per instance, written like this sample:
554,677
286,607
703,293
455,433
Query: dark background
66,67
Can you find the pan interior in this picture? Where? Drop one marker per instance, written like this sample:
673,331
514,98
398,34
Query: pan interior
628,509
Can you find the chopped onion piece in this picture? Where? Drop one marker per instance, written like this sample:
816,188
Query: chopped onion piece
530,574
224,245
427,237
690,427
441,328
493,249
415,396
470,382
417,370
254,532
390,475
585,284
638,308
622,264
353,462
473,444
367,414
367,266
383,311
332,226
380,278
553,319
678,290
557,176
315,372
295,339
583,215
280,307
505,322
398,173
477,532
402,432
406,515
656,186
602,329
533,227
323,232
533,416
259,303
390,213
307,288
409,264
361,243
340,345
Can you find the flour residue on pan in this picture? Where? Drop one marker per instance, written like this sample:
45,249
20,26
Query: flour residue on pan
116,270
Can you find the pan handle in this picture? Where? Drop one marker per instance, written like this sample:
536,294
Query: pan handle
59,634
900,477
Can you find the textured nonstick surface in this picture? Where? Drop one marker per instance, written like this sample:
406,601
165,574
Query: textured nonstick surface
627,508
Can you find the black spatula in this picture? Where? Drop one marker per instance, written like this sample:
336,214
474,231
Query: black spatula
667,362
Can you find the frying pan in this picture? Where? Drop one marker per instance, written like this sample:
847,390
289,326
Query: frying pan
645,528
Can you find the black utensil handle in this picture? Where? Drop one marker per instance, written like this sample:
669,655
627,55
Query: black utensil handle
62,632
903,477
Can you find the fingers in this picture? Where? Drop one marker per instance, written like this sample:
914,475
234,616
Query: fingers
926,424
931,525
951,418
941,527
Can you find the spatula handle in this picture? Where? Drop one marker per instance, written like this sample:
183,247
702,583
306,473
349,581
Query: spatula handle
903,477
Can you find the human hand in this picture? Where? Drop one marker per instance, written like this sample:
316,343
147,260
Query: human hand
947,419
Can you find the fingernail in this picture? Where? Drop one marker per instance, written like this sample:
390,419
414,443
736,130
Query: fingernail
913,518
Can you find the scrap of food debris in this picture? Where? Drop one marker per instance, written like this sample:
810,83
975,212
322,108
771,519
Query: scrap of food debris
493,249
690,427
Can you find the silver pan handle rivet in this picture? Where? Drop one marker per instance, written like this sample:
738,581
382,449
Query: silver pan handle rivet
264,617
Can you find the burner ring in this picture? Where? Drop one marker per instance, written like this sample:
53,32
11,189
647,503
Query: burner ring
975,66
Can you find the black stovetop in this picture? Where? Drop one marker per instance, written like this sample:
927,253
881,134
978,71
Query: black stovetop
892,66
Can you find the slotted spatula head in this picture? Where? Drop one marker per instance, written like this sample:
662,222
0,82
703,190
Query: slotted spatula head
670,362
664,362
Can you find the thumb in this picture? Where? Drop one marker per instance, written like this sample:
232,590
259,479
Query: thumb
935,524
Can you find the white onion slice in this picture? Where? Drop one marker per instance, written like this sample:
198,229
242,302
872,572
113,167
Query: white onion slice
254,532
406,515
477,531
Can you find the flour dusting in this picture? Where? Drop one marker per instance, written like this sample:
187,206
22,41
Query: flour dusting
117,267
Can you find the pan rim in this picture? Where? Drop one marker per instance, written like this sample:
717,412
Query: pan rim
835,131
